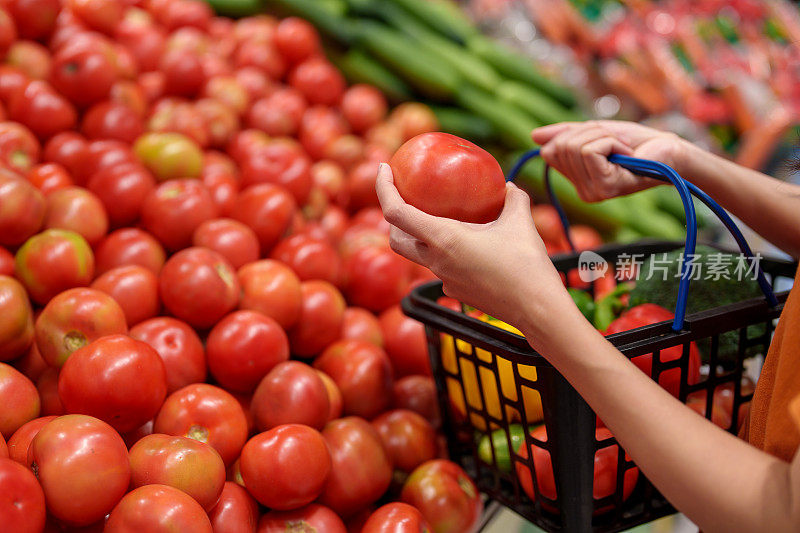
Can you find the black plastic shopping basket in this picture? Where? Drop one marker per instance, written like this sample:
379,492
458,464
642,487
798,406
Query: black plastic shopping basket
490,381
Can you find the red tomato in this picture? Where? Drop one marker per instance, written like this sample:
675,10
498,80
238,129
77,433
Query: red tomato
112,120
122,189
68,149
16,319
320,126
92,456
296,39
361,470
8,31
117,379
396,517
35,18
243,347
134,288
360,324
245,143
30,57
174,210
43,110
100,155
183,72
254,81
20,441
6,262
230,238
605,470
335,399
130,95
309,257
144,41
19,149
376,278
180,462
471,189
646,314
278,114
78,210
286,467
75,318
334,223
291,393
22,210
223,122
224,188
53,261
273,289
12,80
179,347
229,91
179,116
584,237
47,385
329,177
320,322
360,185
281,162
31,363
101,15
409,439
207,414
129,246
22,507
346,150
267,209
19,398
319,81
236,511
548,223
199,286
412,119
313,517
363,374
363,106
49,177
157,509
182,13
261,55
405,343
445,495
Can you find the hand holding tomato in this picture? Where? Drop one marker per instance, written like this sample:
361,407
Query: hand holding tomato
499,267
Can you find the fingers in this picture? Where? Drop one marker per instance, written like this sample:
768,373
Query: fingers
400,214
408,246
607,179
544,134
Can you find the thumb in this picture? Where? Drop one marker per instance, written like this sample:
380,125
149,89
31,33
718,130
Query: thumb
518,204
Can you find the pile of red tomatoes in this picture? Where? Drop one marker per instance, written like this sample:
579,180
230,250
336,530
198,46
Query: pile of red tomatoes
199,319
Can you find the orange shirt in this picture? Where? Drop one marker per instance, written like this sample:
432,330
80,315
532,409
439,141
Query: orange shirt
770,426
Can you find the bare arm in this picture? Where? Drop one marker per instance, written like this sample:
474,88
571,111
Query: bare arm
502,268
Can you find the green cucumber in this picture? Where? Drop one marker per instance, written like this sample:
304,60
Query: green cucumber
444,16
433,78
512,125
327,17
236,8
359,67
463,123
472,68
539,105
517,67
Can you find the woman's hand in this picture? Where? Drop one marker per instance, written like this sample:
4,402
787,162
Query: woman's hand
501,268
580,151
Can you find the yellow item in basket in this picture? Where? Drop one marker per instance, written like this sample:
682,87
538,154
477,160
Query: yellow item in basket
480,386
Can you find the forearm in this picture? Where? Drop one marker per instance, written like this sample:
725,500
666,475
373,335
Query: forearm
769,206
719,481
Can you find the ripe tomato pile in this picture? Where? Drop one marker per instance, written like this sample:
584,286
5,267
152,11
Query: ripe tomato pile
199,319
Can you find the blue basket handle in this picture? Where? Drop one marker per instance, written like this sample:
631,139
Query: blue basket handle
660,171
